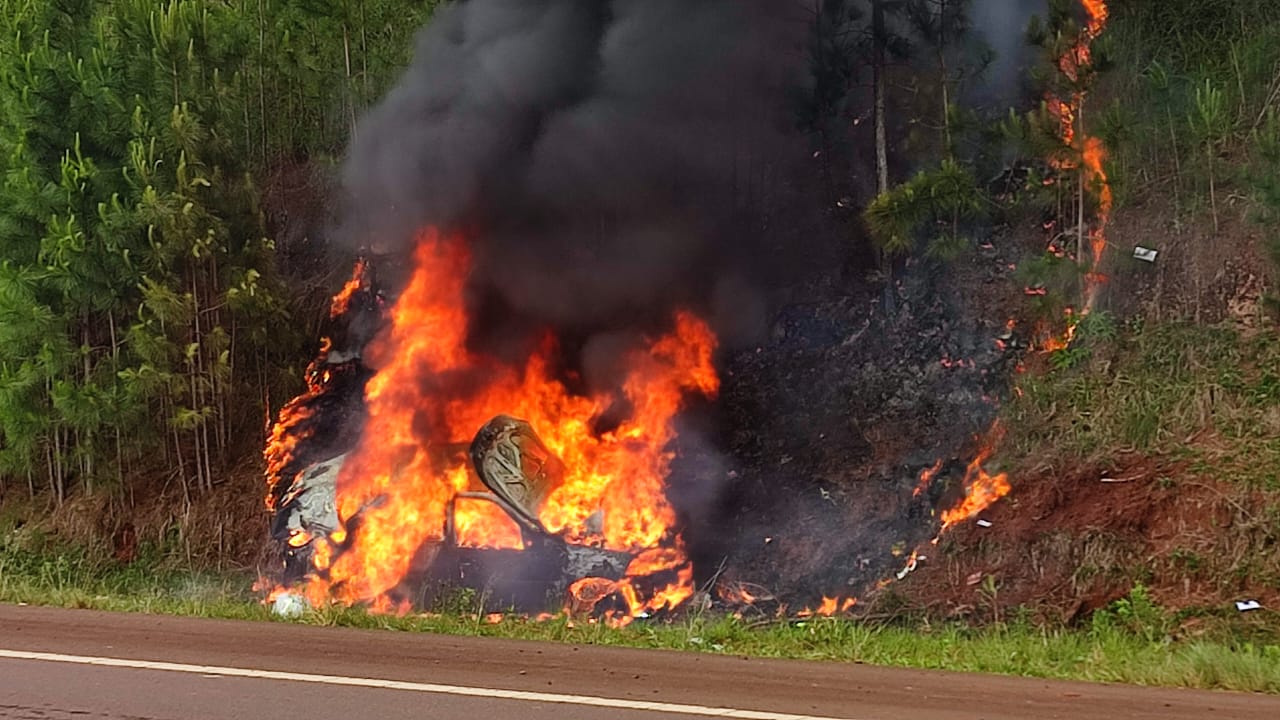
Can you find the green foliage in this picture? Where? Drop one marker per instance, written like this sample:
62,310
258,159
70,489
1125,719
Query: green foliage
314,65
1209,120
1264,181
1137,613
831,51
1197,80
140,308
925,51
935,207
1191,32
1091,331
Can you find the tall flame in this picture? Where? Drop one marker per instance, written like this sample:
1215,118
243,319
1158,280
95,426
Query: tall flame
1091,153
1088,154
431,394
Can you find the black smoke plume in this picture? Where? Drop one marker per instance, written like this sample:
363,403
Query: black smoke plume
605,157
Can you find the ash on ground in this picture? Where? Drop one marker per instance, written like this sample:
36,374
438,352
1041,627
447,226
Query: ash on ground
830,425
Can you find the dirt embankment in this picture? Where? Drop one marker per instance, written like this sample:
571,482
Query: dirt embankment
1070,541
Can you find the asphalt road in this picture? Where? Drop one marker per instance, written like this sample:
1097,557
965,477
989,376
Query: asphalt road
86,665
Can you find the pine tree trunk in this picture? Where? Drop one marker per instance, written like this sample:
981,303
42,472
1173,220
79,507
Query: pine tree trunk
220,388
224,421
351,105
945,77
182,467
1177,163
1081,246
1213,187
86,443
882,143
193,374
364,56
878,65
262,77
48,461
946,108
115,370
59,480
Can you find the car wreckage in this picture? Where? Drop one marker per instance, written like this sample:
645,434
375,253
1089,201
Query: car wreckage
519,473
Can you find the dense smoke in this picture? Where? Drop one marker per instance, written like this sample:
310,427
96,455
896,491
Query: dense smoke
1002,26
599,154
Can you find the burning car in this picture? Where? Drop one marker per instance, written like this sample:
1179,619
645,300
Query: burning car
519,472
413,463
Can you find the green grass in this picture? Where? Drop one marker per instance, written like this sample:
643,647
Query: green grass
1128,644
1150,389
1190,412
1156,59
76,578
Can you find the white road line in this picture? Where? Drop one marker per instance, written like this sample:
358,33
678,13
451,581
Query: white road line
589,700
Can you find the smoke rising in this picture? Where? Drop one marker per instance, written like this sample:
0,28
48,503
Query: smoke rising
595,151
1002,25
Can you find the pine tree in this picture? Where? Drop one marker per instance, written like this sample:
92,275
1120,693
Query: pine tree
129,235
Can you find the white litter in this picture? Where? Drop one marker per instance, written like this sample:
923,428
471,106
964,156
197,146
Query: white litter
912,563
1146,254
289,605
985,523
1247,605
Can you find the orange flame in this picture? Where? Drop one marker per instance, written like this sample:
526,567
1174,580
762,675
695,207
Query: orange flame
926,478
341,301
586,593
290,430
431,394
829,607
736,593
1092,154
292,426
981,489
1098,15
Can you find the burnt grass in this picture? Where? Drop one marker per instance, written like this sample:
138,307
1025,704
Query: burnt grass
827,426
